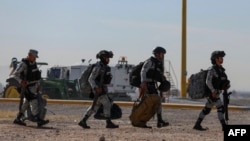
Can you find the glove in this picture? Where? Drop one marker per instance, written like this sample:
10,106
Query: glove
98,90
214,95
24,83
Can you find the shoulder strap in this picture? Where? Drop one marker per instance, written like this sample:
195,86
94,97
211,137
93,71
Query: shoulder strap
26,61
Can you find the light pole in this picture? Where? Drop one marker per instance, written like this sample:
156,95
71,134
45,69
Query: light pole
183,51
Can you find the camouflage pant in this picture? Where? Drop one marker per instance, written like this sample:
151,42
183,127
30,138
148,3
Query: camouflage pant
209,104
159,108
33,105
100,100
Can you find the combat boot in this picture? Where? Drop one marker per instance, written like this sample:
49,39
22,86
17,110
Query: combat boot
198,126
110,124
223,124
160,122
18,120
41,122
83,123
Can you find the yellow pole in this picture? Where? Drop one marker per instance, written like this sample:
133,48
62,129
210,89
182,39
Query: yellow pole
183,51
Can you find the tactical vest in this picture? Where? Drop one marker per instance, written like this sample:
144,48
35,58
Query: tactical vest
105,75
220,82
33,73
156,73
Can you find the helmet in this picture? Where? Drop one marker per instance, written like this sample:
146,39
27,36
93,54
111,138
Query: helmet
159,49
216,54
104,54
14,60
13,63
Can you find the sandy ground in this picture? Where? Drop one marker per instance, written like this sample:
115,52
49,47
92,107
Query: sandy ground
64,120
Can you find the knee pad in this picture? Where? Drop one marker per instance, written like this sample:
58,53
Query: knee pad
206,110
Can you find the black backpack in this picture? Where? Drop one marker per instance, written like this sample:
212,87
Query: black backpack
115,113
135,76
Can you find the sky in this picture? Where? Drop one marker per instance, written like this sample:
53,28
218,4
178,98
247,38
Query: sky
66,31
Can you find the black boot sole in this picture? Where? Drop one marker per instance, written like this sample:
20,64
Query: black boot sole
41,124
84,126
200,128
19,123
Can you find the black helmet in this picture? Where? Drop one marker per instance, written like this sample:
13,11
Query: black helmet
14,60
216,54
159,49
104,54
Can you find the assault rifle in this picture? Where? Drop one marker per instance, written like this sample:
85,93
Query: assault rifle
226,96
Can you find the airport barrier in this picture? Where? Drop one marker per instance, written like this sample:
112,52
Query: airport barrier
128,104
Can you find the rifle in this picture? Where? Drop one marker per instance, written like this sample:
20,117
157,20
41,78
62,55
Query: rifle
226,96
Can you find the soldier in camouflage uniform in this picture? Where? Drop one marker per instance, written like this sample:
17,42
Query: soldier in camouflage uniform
151,74
28,76
98,79
216,81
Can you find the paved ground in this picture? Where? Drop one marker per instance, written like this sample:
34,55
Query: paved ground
64,118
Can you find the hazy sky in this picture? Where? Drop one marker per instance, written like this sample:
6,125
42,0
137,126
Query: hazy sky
66,31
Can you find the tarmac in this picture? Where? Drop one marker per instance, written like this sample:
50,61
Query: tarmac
64,116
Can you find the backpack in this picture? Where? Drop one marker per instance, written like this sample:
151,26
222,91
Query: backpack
197,88
115,113
84,83
135,76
